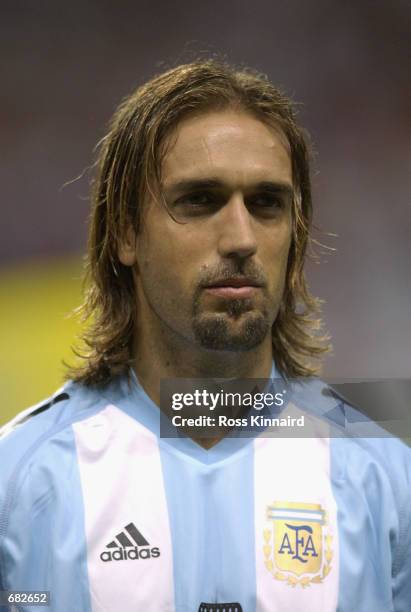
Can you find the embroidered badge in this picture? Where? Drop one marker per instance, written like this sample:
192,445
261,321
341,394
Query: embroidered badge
298,544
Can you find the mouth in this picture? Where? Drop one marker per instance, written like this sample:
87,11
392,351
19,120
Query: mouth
234,288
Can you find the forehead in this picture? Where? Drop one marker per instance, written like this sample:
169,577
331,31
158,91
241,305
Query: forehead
231,146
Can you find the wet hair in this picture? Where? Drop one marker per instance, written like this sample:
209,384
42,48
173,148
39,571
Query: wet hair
129,167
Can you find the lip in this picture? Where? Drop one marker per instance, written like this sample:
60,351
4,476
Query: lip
234,288
230,291
234,282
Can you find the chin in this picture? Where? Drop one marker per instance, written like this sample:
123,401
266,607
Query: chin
218,332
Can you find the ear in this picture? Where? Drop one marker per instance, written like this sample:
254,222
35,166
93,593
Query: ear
127,247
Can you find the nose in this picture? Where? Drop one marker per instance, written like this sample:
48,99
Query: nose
236,234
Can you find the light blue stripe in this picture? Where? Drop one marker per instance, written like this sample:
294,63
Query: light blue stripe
212,528
296,510
290,518
363,526
44,546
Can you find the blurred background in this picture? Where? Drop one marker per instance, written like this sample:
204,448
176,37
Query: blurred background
67,65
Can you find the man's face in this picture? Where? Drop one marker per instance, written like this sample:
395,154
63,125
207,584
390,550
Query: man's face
215,275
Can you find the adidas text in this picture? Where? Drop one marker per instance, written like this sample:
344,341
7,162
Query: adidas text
122,554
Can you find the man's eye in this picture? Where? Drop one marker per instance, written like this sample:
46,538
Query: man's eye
267,204
267,201
197,199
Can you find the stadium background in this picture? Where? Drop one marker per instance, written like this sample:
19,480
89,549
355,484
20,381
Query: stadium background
67,65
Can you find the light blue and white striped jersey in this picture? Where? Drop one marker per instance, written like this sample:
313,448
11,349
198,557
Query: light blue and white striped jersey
98,509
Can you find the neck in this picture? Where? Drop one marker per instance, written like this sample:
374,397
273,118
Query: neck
161,354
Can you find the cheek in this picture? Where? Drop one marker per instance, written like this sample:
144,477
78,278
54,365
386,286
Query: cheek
168,261
277,246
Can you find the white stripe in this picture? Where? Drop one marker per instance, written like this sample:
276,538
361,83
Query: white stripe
298,471
122,483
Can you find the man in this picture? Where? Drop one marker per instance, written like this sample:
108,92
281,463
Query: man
200,223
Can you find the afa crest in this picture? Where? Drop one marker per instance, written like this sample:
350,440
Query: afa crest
297,546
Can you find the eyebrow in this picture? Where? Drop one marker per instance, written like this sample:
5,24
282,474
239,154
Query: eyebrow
187,185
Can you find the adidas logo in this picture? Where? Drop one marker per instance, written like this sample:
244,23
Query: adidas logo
129,544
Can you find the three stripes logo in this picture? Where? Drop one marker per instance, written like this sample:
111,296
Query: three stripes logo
129,544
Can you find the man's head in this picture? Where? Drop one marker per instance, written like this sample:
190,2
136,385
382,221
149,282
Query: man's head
203,181
223,220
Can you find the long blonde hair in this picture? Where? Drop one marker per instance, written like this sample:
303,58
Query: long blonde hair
128,166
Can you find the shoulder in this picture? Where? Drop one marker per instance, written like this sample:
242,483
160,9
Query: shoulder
67,405
38,459
357,416
365,457
38,456
41,434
